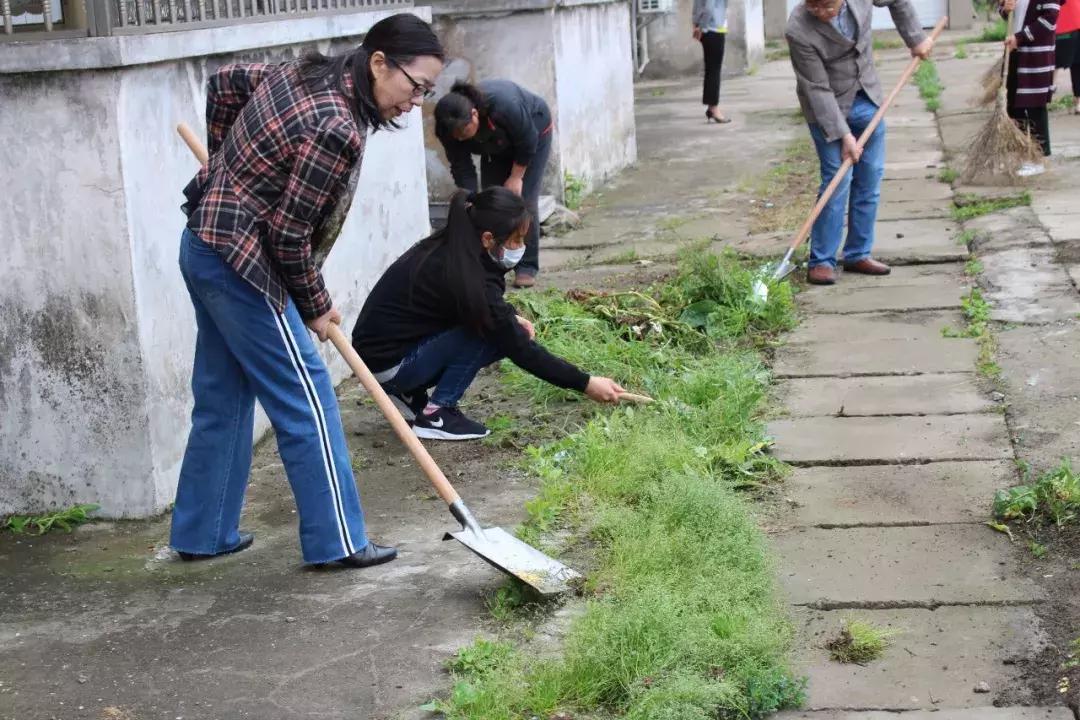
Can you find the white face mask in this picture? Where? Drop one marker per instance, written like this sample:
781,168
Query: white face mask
509,258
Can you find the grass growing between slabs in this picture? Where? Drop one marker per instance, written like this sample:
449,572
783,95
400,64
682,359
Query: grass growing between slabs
929,84
679,618
782,198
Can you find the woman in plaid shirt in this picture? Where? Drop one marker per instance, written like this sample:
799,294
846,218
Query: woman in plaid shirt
286,142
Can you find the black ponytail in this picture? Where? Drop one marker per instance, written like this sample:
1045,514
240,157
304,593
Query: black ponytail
454,110
496,210
401,38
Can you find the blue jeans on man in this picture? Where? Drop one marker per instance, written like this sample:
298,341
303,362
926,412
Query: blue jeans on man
856,199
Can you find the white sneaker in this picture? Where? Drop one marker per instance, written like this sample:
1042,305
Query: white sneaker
1029,169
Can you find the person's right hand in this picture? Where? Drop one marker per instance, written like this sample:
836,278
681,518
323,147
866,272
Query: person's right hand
850,149
321,325
602,389
1008,5
698,33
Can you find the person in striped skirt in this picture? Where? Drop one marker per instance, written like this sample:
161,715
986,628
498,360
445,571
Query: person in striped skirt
1030,81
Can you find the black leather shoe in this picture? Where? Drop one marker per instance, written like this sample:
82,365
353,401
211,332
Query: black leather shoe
372,554
246,539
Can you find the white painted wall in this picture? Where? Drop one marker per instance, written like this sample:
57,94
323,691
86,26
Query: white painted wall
72,413
594,84
97,333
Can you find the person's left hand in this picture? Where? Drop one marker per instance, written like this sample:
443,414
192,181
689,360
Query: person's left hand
922,50
697,33
514,184
1010,42
528,327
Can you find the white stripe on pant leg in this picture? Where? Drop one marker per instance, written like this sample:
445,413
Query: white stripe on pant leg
328,446
320,423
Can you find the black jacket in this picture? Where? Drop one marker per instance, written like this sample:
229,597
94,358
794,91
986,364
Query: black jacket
411,302
511,125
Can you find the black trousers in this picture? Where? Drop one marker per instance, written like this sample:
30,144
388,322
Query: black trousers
496,169
1036,121
713,45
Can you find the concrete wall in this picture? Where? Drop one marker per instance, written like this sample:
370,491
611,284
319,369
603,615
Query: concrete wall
96,329
594,86
576,55
673,51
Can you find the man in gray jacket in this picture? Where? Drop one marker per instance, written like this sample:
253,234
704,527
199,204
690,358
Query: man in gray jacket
839,91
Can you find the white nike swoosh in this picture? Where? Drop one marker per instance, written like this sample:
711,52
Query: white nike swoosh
436,423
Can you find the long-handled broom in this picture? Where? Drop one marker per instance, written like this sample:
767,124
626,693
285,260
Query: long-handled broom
1000,147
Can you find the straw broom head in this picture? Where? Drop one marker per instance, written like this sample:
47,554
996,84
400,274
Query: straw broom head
990,84
1000,147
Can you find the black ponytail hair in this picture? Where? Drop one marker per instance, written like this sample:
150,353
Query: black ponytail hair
496,210
401,38
454,110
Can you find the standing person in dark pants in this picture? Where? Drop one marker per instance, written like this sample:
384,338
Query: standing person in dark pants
1066,54
284,143
1029,83
510,129
710,29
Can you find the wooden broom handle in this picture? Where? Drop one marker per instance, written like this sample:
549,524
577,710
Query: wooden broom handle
393,415
382,400
804,231
193,143
634,397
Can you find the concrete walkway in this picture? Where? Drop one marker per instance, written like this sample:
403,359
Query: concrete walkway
898,447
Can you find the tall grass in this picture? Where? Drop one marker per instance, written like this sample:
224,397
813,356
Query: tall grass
680,618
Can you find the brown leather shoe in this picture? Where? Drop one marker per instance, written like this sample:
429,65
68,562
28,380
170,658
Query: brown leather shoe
524,280
821,275
867,266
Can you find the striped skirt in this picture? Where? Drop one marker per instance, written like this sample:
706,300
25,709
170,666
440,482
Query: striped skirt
1031,76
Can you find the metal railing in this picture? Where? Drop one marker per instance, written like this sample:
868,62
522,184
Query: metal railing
37,19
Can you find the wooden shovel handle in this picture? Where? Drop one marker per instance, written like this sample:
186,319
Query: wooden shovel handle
912,66
382,400
393,415
633,397
193,143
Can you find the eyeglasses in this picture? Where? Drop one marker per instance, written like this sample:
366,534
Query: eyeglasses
418,89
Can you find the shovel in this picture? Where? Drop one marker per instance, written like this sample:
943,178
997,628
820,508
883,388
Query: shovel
777,272
498,547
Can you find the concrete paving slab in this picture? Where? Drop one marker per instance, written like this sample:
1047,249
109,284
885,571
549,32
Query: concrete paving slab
881,440
883,294
900,158
936,657
876,357
944,394
904,325
1024,285
934,493
914,210
896,190
981,713
1063,228
1016,227
917,241
1073,272
913,173
1041,361
895,567
1054,201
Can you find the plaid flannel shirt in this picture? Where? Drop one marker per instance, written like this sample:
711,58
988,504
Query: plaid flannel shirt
281,157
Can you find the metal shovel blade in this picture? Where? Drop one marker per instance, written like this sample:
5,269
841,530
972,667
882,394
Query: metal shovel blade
532,567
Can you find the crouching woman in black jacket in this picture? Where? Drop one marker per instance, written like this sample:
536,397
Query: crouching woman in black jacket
437,316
